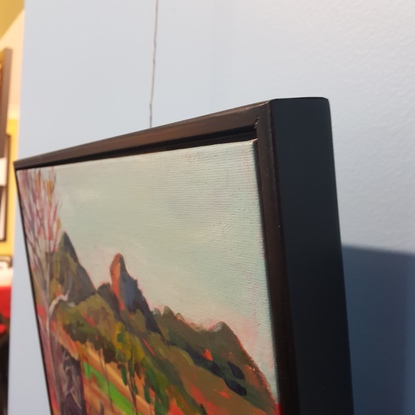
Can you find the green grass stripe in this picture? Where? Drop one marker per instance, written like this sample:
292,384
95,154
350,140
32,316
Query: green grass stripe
116,396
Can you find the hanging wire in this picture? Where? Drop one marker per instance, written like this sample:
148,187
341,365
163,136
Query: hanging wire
153,73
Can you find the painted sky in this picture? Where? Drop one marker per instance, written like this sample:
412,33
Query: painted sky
188,224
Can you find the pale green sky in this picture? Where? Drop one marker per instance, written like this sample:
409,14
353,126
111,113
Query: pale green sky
188,224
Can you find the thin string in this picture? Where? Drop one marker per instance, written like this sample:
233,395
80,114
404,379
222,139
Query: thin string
153,73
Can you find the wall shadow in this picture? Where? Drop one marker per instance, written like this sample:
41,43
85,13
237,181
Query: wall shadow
380,291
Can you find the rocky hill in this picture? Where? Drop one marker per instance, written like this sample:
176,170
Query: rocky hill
160,358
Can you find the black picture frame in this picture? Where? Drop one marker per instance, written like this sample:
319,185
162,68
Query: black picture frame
296,171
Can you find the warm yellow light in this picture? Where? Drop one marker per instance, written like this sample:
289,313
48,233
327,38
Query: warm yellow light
9,10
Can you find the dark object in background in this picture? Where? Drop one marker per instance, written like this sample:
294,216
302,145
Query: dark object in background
4,371
5,293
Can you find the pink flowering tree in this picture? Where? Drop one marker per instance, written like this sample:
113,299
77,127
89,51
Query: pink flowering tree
42,226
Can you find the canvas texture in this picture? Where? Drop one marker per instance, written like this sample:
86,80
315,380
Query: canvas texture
150,283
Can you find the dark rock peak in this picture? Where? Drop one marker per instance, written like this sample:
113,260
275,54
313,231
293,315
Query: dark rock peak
221,327
65,245
129,296
168,312
70,275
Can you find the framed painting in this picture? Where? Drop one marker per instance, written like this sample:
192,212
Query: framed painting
193,268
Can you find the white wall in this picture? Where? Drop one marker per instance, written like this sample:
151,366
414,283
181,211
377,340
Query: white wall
87,76
219,54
